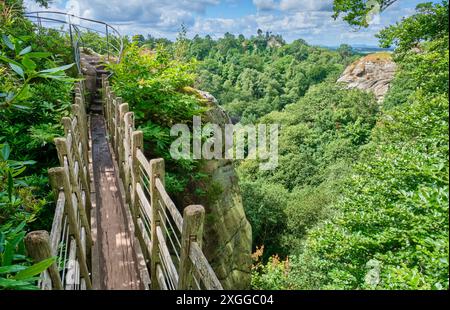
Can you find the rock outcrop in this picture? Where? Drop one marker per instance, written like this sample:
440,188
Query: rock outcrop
373,73
227,233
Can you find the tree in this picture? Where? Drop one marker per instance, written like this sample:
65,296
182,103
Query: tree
430,22
345,50
139,39
355,12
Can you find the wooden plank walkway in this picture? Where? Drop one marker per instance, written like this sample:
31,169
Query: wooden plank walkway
117,264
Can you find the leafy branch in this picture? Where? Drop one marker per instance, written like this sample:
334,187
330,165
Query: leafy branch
24,65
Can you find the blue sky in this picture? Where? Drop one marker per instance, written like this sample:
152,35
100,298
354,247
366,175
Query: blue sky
307,19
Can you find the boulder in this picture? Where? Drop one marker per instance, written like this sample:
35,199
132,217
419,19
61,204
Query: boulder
372,73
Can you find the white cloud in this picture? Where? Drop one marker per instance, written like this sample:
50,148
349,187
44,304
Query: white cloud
307,19
265,5
306,5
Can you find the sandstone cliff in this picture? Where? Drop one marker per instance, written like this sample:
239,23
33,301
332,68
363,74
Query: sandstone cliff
373,73
228,234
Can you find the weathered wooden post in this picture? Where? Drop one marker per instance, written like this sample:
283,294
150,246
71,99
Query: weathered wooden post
193,218
104,103
117,101
63,152
38,247
123,109
62,178
157,171
83,162
127,150
137,143
79,112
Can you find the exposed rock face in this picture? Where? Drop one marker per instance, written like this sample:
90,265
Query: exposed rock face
227,233
373,73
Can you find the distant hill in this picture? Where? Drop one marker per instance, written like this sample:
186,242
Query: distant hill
364,49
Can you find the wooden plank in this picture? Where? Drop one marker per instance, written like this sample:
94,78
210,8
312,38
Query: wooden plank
145,237
207,274
55,234
143,162
161,278
118,263
170,266
144,202
176,216
71,274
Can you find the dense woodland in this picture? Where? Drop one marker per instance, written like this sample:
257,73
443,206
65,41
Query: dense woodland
360,197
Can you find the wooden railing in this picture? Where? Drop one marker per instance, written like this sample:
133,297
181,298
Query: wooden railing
70,239
171,242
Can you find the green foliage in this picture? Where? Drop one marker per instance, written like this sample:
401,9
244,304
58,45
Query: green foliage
395,210
320,136
17,202
265,205
429,23
390,227
154,84
23,64
16,272
367,208
355,11
252,77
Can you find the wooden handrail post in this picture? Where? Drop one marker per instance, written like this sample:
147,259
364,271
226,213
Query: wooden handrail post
117,101
157,171
193,218
123,109
61,147
104,79
69,208
137,143
38,247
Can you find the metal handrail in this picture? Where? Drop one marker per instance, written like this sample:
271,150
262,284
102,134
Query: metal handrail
75,31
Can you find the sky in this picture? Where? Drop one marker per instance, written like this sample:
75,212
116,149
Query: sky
306,19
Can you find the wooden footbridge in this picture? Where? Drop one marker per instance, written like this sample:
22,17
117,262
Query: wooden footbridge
115,226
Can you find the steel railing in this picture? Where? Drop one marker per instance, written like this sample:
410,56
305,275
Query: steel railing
76,27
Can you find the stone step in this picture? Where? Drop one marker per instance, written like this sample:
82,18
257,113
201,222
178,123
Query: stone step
96,108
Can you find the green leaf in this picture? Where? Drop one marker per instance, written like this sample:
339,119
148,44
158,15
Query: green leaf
17,69
11,268
35,269
18,171
8,42
8,253
38,55
20,107
57,69
64,78
14,284
6,150
10,185
25,93
10,61
26,50
29,64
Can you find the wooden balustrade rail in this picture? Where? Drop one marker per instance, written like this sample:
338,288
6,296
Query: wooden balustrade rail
171,242
70,239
